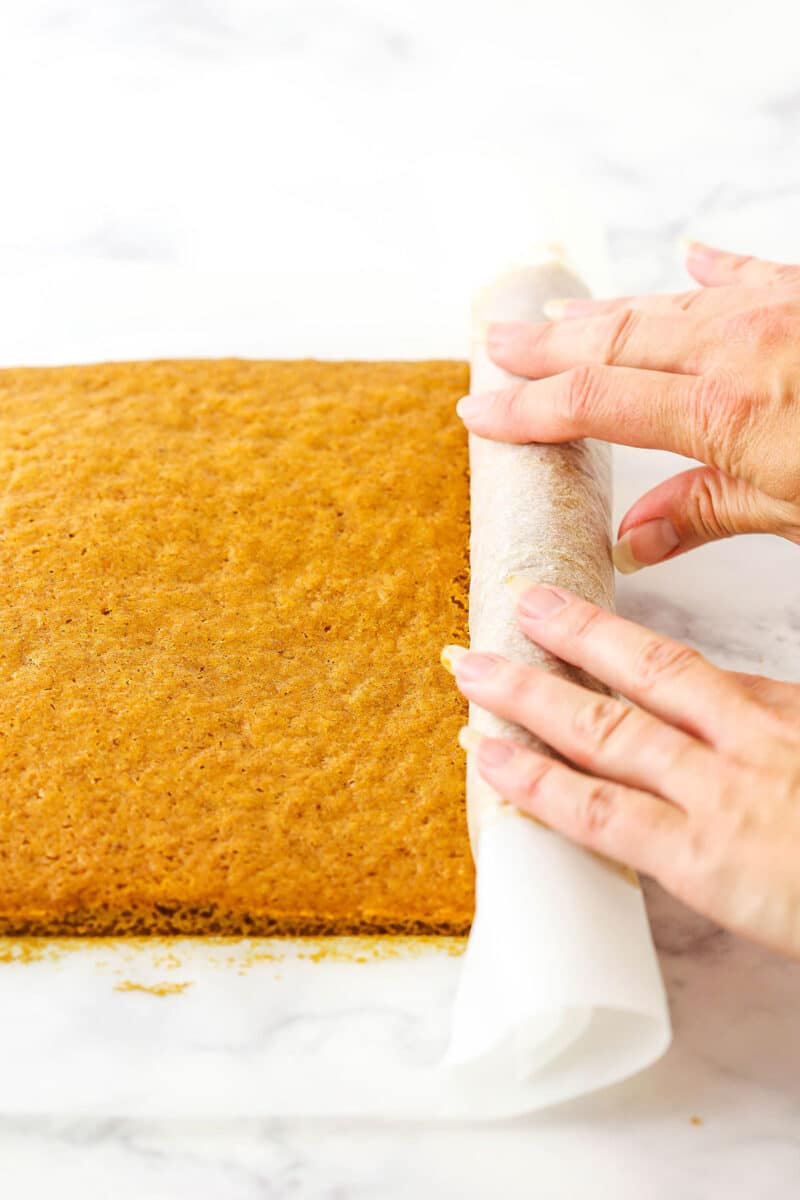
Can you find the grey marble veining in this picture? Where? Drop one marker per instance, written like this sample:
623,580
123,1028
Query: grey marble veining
359,166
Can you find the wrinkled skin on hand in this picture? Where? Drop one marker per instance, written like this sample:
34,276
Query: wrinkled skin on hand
697,782
712,373
693,777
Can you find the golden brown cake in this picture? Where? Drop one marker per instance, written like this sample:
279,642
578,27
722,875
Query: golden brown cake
225,586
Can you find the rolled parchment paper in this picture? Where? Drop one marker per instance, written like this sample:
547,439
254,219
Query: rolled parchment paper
538,511
560,991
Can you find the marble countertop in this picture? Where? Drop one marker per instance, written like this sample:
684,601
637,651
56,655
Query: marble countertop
335,179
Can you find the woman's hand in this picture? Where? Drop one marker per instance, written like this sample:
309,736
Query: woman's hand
699,787
713,374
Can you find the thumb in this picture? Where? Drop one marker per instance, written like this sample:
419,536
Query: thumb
695,507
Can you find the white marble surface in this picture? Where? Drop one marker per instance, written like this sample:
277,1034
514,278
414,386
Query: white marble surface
360,166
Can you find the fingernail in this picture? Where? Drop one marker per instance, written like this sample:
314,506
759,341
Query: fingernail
450,657
468,665
517,584
691,247
532,599
645,545
469,739
471,667
473,405
493,753
554,310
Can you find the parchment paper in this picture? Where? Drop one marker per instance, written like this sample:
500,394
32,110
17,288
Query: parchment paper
560,982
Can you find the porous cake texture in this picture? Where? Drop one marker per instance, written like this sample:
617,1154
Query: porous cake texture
225,586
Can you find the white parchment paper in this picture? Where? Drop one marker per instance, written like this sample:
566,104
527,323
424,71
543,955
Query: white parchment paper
560,982
558,991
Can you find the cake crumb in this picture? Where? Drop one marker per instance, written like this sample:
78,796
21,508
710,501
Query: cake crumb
154,989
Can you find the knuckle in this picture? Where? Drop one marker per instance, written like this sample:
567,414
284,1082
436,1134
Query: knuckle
698,841
584,618
755,684
535,778
720,419
766,325
714,391
598,720
513,403
539,339
686,301
659,659
519,686
579,394
674,751
774,722
787,273
708,509
737,817
737,262
596,809
623,324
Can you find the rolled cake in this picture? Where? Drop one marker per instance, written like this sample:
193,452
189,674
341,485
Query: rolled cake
559,987
539,512
225,589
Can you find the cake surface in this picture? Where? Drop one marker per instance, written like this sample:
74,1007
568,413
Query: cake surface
225,589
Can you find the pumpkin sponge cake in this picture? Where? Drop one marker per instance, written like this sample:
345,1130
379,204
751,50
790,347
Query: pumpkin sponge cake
224,590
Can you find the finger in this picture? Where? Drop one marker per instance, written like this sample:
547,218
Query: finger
597,732
693,508
586,306
666,677
616,404
699,301
714,268
623,338
621,823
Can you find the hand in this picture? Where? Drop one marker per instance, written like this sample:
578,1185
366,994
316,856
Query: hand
713,374
699,787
